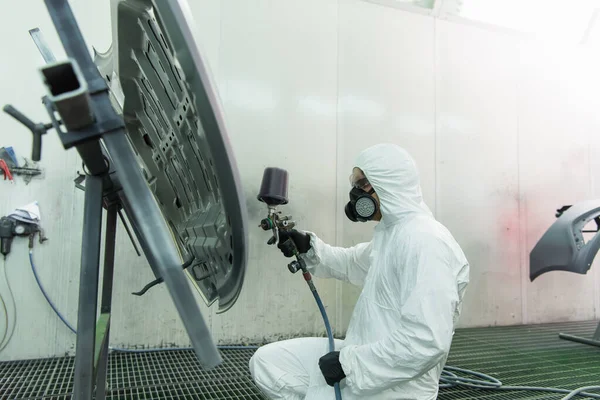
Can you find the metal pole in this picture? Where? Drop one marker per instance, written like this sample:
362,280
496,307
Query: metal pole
597,333
102,367
109,257
42,46
105,305
88,289
577,339
129,233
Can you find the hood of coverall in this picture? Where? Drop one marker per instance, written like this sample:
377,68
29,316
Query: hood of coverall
393,174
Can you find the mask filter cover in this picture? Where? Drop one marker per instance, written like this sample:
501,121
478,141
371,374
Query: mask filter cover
362,206
365,207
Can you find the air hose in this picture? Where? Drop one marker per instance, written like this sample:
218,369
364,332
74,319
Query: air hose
448,379
313,289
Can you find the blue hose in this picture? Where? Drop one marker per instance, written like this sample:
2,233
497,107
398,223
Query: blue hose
338,393
37,279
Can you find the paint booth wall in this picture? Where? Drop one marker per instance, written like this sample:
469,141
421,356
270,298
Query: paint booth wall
504,130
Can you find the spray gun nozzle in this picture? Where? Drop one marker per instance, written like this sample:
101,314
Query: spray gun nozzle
266,224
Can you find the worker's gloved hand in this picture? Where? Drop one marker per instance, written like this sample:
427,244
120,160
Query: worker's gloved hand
331,368
299,239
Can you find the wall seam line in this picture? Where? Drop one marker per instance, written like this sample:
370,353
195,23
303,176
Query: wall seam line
338,285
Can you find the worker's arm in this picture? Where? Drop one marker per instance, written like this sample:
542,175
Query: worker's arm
346,264
426,321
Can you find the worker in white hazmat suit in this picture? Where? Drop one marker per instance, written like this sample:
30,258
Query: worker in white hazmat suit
413,275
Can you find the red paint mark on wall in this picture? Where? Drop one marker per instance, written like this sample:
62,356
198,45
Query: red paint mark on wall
509,239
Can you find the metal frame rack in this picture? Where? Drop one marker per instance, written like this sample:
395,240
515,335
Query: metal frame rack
114,181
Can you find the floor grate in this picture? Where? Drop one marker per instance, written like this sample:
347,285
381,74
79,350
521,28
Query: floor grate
147,375
524,355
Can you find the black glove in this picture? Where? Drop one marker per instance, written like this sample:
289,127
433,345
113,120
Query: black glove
331,368
299,240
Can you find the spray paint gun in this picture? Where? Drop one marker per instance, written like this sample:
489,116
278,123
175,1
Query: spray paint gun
274,192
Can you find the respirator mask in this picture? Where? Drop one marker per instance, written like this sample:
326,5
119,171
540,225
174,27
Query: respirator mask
362,207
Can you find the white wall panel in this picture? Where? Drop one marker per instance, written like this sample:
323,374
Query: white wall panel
477,166
207,30
278,86
386,85
559,94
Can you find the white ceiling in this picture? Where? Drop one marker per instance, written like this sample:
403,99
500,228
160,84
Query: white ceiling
565,20
569,21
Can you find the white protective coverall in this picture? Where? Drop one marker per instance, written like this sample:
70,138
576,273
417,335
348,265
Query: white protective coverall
413,275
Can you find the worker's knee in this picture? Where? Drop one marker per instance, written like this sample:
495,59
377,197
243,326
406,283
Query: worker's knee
252,363
278,373
257,361
261,374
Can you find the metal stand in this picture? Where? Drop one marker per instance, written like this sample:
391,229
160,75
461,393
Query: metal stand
79,94
594,341
92,335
